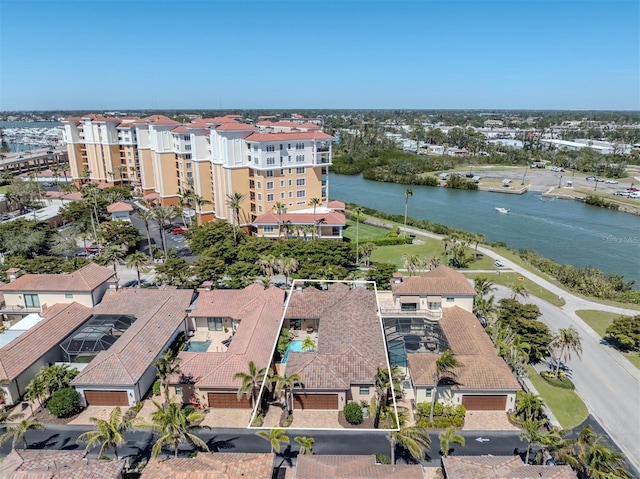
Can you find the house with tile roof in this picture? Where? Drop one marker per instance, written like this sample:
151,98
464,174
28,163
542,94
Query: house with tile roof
328,224
500,467
34,293
254,315
216,465
351,467
350,344
122,372
120,211
53,464
23,358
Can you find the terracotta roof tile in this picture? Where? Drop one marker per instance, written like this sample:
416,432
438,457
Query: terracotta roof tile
53,464
181,129
351,466
332,218
60,320
441,280
262,137
234,125
338,205
119,206
86,279
221,465
159,313
500,467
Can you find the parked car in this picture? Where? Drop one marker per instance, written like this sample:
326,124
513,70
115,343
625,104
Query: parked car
94,249
611,182
178,231
498,264
589,178
49,151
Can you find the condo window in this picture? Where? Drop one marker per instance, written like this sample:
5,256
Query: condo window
300,182
259,196
187,157
281,146
187,147
290,182
291,194
270,174
271,148
268,228
299,146
289,146
301,193
270,197
269,185
450,300
259,184
282,195
300,170
364,390
271,161
281,183
31,301
186,138
259,208
189,174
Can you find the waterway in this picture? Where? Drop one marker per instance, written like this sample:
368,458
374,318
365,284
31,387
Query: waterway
567,231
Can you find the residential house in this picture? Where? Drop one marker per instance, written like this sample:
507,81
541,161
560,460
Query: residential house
350,344
217,465
23,358
33,293
120,211
500,467
254,315
351,467
129,330
53,464
325,223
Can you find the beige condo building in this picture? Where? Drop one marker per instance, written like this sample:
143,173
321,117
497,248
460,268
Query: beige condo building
274,166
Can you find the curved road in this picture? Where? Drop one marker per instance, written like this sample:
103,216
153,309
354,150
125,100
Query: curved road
605,380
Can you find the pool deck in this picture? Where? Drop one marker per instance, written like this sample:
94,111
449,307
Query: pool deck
216,338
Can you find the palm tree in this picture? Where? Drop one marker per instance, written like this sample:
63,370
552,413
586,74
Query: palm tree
286,384
590,455
175,425
200,202
287,266
478,238
411,263
250,381
147,217
531,433
315,202
483,286
233,202
17,432
448,437
6,416
529,406
407,194
367,249
445,364
563,343
166,366
414,439
358,212
484,307
386,382
518,289
306,444
280,208
162,214
275,437
110,434
268,264
113,254
138,261
308,344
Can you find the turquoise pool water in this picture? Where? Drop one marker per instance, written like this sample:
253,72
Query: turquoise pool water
295,346
197,346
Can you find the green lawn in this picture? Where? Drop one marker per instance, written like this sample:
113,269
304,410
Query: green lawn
565,404
394,254
365,232
3,189
507,279
599,322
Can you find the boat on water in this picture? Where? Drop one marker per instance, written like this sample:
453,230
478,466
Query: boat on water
502,210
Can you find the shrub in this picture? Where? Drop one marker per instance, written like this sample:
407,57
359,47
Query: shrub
156,388
382,459
443,416
64,403
258,420
562,381
286,419
353,412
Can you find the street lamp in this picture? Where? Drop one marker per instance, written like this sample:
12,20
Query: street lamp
560,182
524,175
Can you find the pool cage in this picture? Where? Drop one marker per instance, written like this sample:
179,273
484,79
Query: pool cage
412,335
97,334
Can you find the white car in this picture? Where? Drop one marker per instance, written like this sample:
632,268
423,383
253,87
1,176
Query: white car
498,264
611,182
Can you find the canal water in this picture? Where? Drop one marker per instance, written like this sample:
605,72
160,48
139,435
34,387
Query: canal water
567,231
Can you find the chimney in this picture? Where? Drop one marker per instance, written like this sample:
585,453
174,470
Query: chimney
397,278
13,274
206,286
113,283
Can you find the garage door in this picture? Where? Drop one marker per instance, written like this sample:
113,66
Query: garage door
106,398
316,401
228,401
484,403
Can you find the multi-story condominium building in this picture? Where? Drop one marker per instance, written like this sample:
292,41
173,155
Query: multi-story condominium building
272,166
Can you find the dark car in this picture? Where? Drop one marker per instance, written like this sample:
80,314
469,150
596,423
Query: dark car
49,151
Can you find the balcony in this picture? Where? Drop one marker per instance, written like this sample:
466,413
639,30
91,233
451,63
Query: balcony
322,149
18,309
434,314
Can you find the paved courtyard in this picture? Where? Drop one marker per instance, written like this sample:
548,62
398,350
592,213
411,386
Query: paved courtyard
487,421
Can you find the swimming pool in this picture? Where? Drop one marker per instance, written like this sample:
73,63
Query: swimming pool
295,346
197,346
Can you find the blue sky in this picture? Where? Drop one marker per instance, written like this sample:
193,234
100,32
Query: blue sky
119,54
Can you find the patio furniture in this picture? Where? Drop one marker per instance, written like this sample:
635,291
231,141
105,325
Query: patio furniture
227,341
309,330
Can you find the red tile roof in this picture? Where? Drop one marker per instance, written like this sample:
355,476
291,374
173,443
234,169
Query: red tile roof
159,313
180,129
124,125
500,467
351,344
331,218
298,135
289,124
60,320
53,464
118,207
160,120
351,466
260,314
482,367
84,280
438,281
336,205
233,126
220,120
219,465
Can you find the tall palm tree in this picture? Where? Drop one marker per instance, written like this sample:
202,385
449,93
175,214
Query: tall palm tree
367,249
147,217
315,202
529,406
411,263
484,307
563,343
114,254
17,432
285,384
6,416
483,286
175,425
517,290
478,238
166,366
590,455
280,208
268,264
234,201
407,194
110,434
138,261
446,363
415,439
162,214
251,381
275,437
200,202
287,266
531,433
358,212
448,437
386,382
306,444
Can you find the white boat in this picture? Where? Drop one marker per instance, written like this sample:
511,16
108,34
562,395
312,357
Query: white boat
502,210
